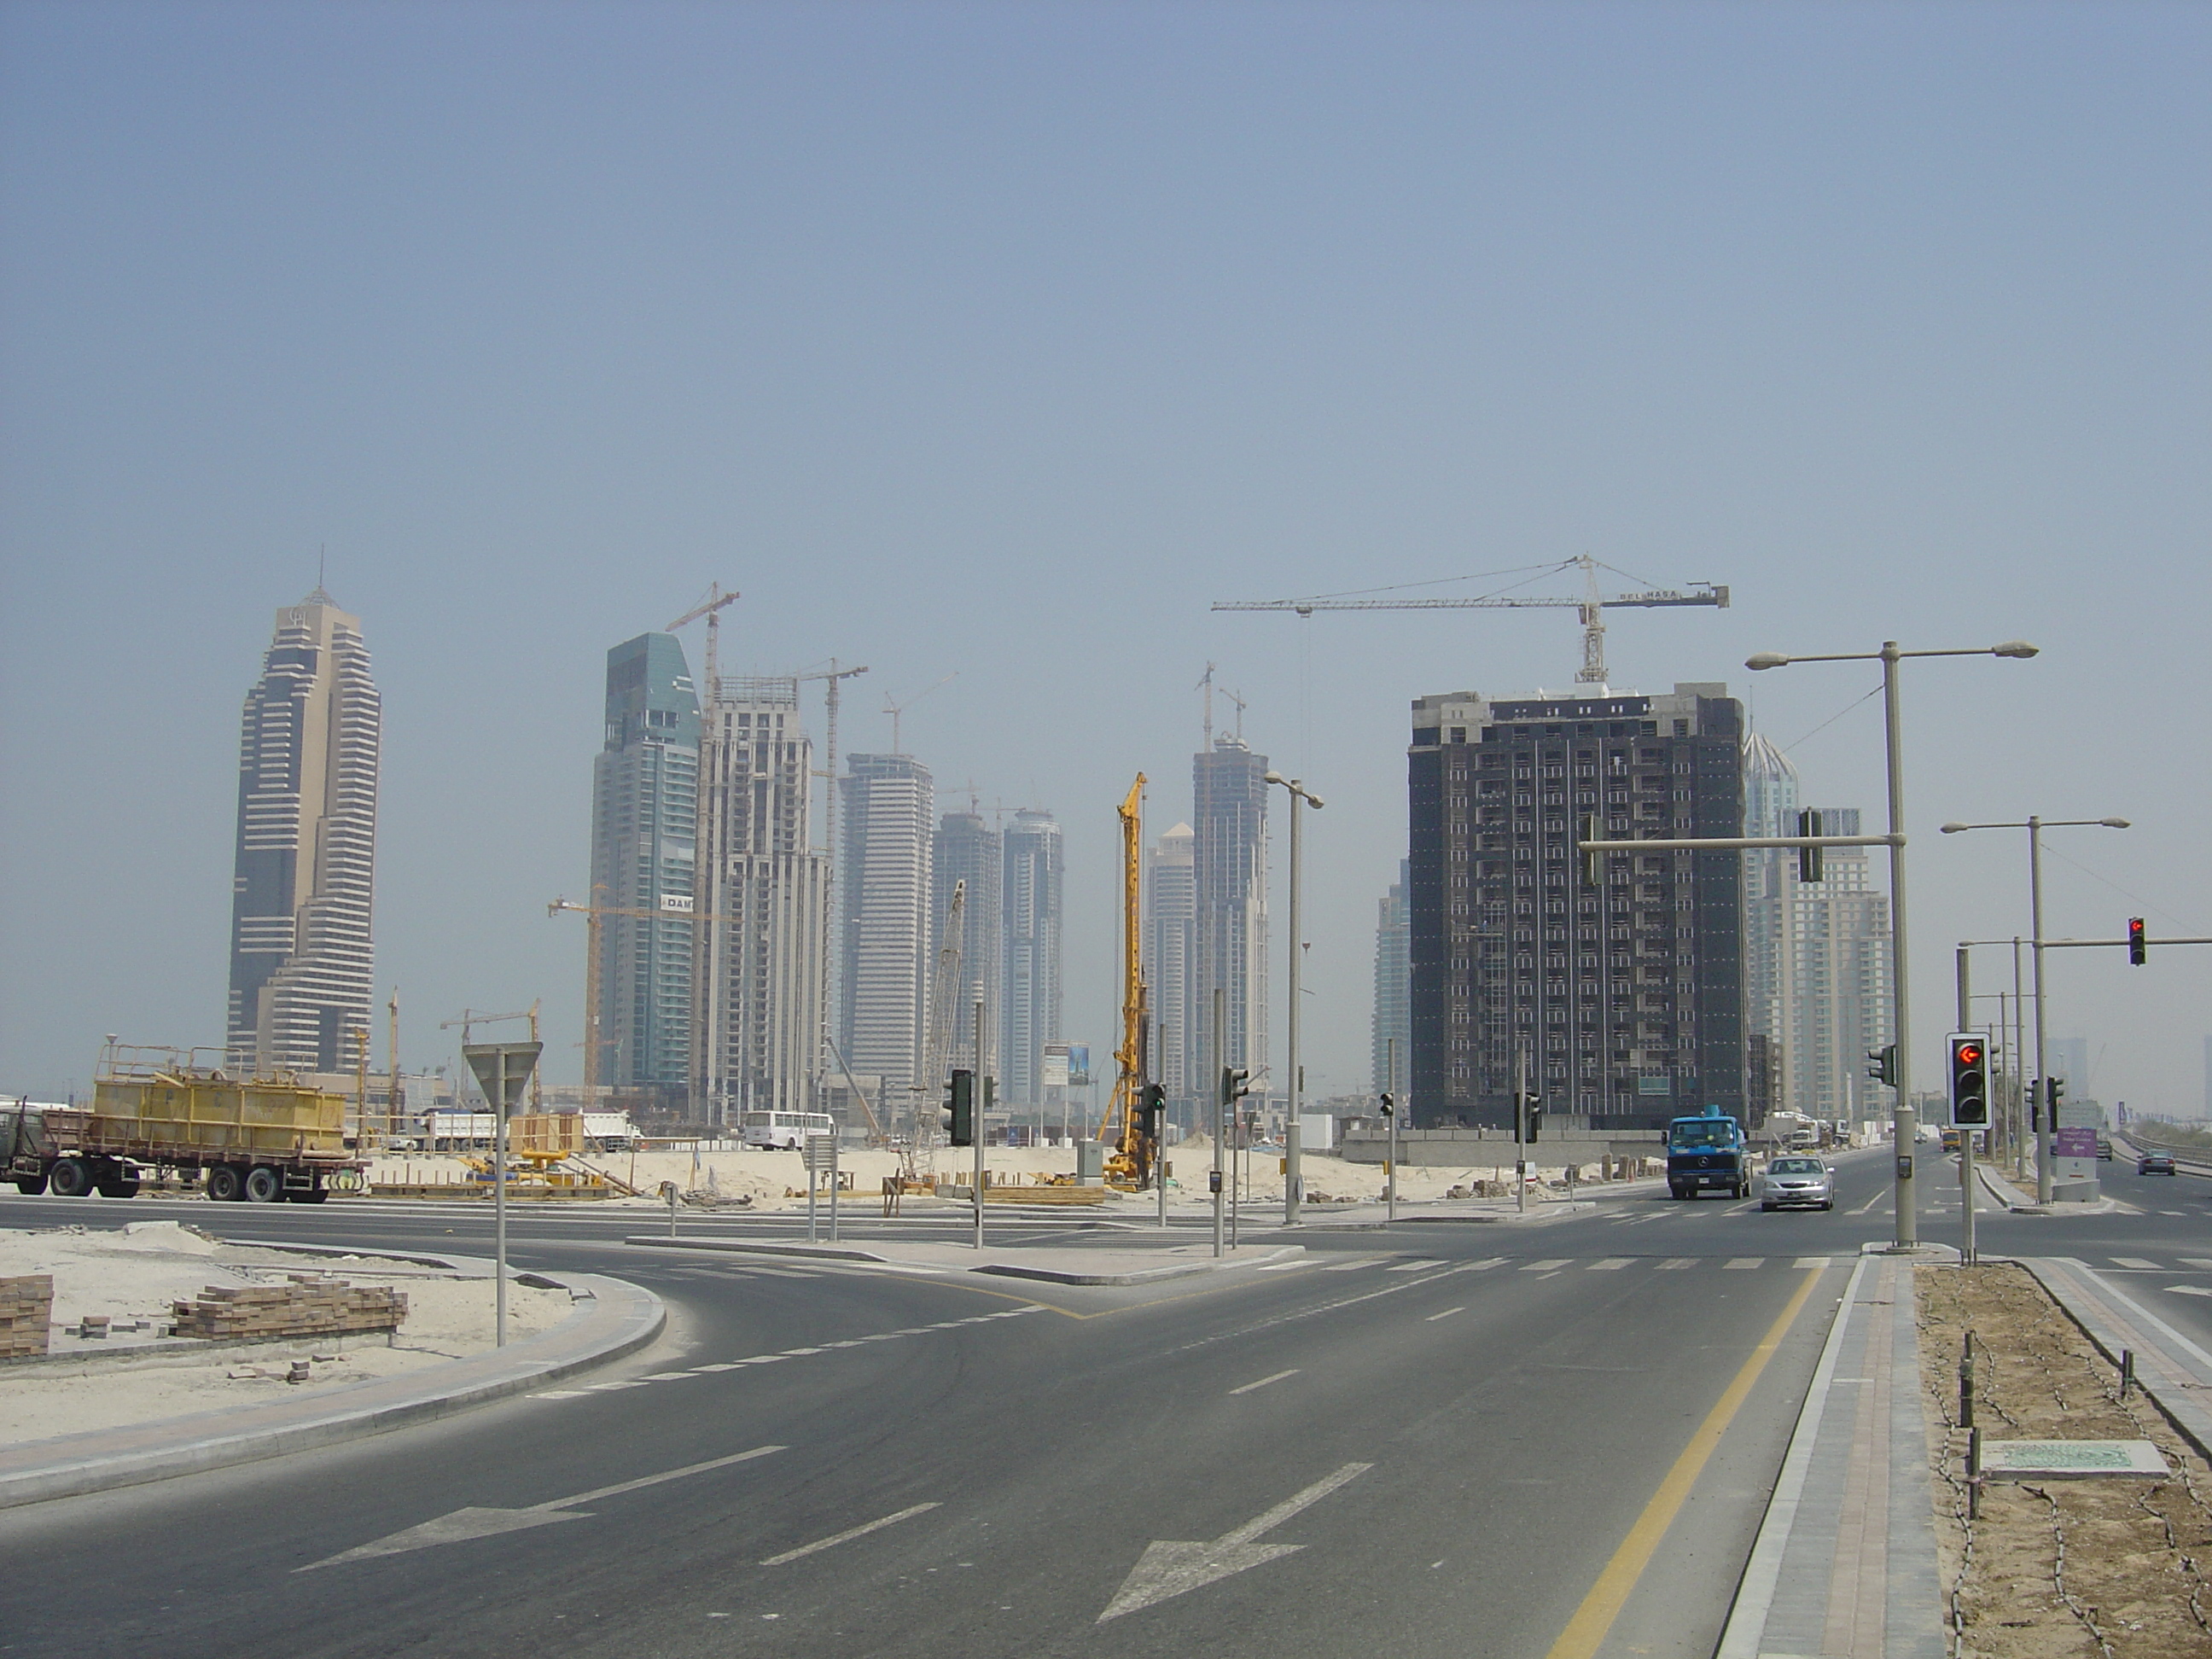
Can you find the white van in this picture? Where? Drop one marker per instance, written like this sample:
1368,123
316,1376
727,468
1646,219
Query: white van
786,1129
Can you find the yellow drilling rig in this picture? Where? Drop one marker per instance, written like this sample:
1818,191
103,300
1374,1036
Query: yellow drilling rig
1136,1153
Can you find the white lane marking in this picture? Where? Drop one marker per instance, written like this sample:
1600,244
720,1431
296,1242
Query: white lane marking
2188,1290
560,1394
1878,1197
1746,1262
724,1365
1168,1569
1264,1380
1612,1264
2196,1262
665,1376
1353,1266
609,1388
848,1535
1810,1261
2134,1261
1285,1266
1551,1267
2173,1212
484,1522
1446,1314
1416,1265
790,1352
1482,1267
1677,1263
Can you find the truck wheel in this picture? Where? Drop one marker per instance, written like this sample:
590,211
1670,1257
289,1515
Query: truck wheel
69,1177
265,1184
225,1183
31,1186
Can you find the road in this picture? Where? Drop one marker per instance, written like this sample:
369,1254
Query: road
1435,1436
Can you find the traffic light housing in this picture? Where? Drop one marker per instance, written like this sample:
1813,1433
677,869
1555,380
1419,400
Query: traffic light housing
959,1117
1389,1106
1882,1065
1970,1079
1532,1117
1809,858
2138,946
1236,1084
1152,1105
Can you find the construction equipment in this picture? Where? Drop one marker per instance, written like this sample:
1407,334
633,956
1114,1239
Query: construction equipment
711,609
944,989
470,1018
674,906
1130,1164
897,710
1592,605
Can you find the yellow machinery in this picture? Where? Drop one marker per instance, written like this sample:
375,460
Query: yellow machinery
1129,1165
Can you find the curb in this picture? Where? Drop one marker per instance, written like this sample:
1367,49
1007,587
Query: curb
1003,1269
2125,1324
745,1246
619,1318
1141,1276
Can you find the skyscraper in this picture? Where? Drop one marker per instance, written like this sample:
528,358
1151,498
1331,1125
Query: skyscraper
303,882
887,802
1393,1021
1229,886
1181,1060
757,1035
644,838
1627,998
1833,1006
1029,906
967,850
1770,808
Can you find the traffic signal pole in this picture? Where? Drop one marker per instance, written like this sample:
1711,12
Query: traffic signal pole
1966,1135
1222,1108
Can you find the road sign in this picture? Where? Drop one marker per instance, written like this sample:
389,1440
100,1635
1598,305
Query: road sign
501,1069
820,1152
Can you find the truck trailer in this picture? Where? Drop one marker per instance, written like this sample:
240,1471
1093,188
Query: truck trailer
263,1140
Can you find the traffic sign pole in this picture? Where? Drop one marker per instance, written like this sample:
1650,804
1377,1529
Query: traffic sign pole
501,1069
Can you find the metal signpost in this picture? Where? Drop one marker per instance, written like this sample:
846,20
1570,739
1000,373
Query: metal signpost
820,1153
501,1069
1390,1112
1293,1175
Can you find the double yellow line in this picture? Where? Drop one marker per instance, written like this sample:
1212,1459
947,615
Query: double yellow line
1586,1632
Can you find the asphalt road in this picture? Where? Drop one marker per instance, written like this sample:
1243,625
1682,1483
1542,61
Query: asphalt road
1434,1438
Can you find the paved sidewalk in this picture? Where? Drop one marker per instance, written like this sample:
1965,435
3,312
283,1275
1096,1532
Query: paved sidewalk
613,1318
1845,1560
1054,1265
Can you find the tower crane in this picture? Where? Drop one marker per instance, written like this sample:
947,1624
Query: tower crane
1592,604
897,710
711,609
470,1018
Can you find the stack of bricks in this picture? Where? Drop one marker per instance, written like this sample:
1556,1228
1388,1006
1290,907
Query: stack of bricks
27,1309
276,1312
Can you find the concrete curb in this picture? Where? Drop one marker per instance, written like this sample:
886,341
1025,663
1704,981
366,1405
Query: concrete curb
1002,1269
2170,1369
748,1247
1141,1276
614,1318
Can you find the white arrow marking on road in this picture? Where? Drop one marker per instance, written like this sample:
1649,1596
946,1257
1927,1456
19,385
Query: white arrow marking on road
483,1523
1168,1569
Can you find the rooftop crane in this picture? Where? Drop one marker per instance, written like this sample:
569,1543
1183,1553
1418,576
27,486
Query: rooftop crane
896,710
1592,605
711,609
469,1018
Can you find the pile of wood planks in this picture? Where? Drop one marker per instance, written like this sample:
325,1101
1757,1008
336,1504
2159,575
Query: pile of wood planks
325,1307
26,1308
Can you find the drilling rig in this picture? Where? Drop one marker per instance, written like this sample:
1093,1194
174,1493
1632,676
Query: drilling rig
1134,1156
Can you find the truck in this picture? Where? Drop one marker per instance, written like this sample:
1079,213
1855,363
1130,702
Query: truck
1707,1151
259,1139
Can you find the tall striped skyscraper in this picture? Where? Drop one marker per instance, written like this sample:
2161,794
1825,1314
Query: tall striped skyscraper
883,879
301,961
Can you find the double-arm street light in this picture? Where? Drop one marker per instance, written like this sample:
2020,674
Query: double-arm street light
2045,1111
1293,1178
1906,1129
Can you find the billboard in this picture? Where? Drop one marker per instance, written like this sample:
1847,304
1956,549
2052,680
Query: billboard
1079,1066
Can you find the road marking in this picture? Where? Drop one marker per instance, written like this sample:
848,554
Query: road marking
560,1394
1482,1267
1746,1262
724,1365
664,1377
1675,1264
2134,1261
1352,1266
2173,1212
848,1535
1810,1261
1264,1380
468,1523
1612,1264
1272,1268
2196,1262
1871,1202
1446,1314
1586,1632
1552,1265
1168,1569
609,1388
2188,1290
1415,1266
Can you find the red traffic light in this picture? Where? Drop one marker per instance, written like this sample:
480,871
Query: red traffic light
2138,945
1967,1054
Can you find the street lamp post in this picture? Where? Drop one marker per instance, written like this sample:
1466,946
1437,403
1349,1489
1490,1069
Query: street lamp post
2035,827
1904,1132
1293,1179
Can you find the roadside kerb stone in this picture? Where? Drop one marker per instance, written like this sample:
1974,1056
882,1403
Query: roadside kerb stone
613,1318
1057,1266
2174,1371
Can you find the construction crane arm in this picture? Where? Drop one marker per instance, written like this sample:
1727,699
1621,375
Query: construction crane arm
1705,594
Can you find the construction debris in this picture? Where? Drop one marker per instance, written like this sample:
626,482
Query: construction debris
276,1311
27,1306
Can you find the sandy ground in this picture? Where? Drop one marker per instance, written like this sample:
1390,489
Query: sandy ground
133,1276
2088,1567
767,1177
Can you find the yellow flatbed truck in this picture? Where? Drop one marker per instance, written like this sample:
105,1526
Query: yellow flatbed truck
262,1140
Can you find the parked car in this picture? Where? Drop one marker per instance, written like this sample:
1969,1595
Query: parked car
2154,1164
2103,1150
1804,1181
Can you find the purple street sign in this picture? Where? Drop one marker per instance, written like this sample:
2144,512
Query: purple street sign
2076,1142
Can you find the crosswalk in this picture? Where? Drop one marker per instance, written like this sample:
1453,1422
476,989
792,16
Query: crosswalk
2140,1264
1562,1264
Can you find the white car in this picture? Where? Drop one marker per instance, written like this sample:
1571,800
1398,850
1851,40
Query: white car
1797,1181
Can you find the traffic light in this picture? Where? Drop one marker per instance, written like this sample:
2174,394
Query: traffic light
1970,1079
1236,1084
1882,1065
1809,858
2138,946
1389,1106
1532,1117
1152,1102
959,1118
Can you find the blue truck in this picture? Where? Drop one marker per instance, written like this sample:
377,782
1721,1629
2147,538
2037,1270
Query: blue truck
1707,1152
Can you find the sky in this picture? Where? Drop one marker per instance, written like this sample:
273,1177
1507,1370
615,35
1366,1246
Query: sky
1001,340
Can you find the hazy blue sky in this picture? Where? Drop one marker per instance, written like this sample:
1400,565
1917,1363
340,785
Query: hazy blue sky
1003,338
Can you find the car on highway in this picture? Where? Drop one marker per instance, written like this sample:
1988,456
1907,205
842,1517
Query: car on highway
2154,1164
1791,1181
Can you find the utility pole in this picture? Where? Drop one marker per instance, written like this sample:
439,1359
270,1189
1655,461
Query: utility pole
982,1102
1293,1176
1520,1125
1221,1106
391,1096
1390,1108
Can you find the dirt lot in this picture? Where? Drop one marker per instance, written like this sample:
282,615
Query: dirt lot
2102,1566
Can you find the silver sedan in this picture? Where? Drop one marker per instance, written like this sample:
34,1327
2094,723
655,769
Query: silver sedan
1797,1181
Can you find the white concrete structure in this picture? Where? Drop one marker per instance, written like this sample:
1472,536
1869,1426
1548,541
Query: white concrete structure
888,802
1180,1064
1031,913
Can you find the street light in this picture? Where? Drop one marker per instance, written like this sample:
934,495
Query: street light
1904,1131
1293,1178
2044,1113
